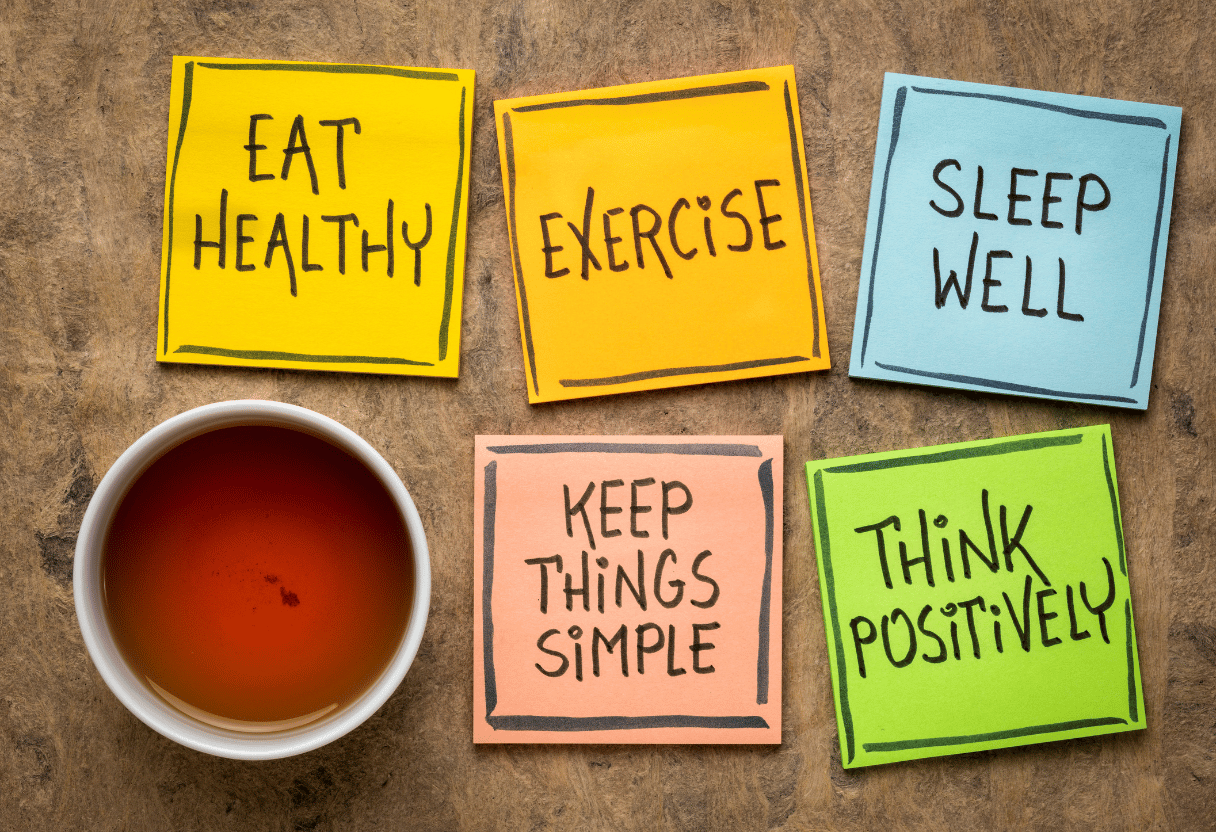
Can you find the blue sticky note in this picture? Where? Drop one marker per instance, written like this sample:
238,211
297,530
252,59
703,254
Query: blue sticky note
1015,241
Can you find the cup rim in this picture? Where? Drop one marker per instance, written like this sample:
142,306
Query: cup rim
154,711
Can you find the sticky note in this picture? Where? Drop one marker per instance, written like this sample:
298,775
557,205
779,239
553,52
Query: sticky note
627,589
1015,241
315,216
661,234
975,596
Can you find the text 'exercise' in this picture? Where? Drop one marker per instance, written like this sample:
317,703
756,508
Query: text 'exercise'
661,234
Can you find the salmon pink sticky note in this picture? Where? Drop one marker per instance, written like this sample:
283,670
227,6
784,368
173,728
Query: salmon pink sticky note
627,589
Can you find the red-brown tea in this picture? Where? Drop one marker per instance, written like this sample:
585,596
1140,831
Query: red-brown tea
258,574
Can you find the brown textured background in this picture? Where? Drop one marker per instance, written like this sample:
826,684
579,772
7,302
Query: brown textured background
83,112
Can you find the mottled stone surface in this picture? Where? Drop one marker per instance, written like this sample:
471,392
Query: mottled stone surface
83,112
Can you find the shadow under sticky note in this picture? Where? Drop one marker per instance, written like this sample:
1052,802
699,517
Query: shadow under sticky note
975,596
1016,241
661,234
627,590
315,216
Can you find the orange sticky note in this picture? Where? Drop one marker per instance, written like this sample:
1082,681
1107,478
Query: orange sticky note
661,234
627,589
315,216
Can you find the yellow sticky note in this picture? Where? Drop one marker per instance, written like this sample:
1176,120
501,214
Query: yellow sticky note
315,216
661,234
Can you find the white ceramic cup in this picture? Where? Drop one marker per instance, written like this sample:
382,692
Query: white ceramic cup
131,689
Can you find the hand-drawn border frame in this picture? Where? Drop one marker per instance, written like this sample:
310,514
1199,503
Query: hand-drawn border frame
340,69
525,722
649,98
900,102
995,448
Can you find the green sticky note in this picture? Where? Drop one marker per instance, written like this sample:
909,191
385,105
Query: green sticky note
975,596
